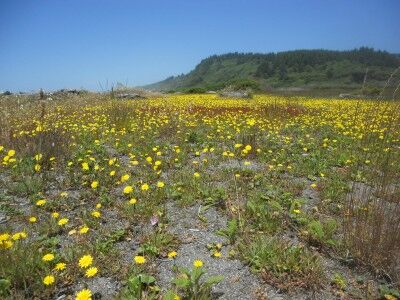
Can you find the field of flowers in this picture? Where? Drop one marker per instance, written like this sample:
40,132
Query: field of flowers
197,197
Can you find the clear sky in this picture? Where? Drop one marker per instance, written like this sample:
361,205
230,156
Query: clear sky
54,44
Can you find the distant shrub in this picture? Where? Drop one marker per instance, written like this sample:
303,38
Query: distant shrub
371,91
244,84
195,90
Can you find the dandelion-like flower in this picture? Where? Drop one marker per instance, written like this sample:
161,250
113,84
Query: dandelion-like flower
19,235
41,202
48,257
85,261
63,221
197,263
92,271
124,178
60,266
83,229
217,254
84,294
172,254
139,259
160,184
96,214
49,280
128,189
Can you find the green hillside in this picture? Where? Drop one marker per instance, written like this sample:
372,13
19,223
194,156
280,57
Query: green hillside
310,69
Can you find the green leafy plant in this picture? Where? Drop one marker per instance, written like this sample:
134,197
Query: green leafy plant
264,214
157,243
231,231
283,264
322,234
5,285
22,267
191,284
388,292
106,244
141,286
339,281
214,197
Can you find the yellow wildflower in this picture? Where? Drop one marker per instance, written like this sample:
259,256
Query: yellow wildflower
62,221
160,184
197,263
41,202
217,254
19,235
91,272
48,280
83,229
48,257
128,189
85,261
139,259
124,178
84,294
96,214
60,266
172,254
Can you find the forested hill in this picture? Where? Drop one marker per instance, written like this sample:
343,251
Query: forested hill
299,68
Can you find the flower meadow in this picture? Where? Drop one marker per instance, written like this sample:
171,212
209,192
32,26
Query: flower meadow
94,191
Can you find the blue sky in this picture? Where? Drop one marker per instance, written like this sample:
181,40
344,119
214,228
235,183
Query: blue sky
54,44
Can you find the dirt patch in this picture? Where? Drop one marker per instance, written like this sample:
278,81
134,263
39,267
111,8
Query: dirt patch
238,283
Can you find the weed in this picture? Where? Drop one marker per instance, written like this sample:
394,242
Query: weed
191,284
322,234
283,264
339,281
231,231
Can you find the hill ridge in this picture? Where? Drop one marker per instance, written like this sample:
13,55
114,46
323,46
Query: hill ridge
304,67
